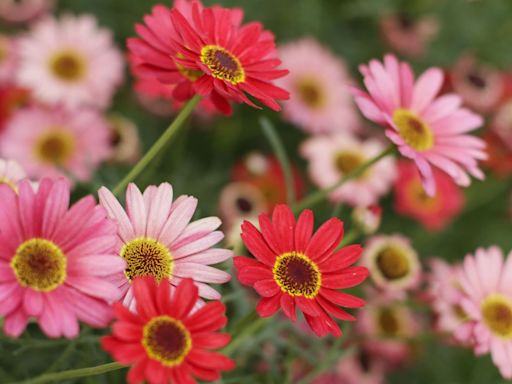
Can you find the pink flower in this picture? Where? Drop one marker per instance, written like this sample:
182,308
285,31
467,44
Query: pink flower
70,61
21,11
434,212
124,140
55,261
48,142
319,88
8,59
11,173
431,131
332,157
486,281
240,200
156,238
359,368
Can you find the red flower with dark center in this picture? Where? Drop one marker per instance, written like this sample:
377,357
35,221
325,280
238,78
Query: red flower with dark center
207,51
295,267
165,339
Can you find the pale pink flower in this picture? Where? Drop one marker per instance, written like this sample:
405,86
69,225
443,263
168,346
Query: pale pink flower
21,11
56,142
486,280
240,200
318,83
334,156
8,59
11,173
124,140
430,130
157,238
55,260
70,61
393,263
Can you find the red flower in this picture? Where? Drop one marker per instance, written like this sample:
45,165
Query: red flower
295,267
165,339
206,50
411,200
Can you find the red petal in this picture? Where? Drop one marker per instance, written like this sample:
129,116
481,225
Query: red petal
308,306
256,244
341,259
288,306
267,288
208,318
185,298
350,277
283,222
251,275
304,230
325,240
341,298
267,306
144,291
209,340
334,310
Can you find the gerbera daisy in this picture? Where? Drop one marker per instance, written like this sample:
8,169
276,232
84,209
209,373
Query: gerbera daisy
392,262
240,200
209,52
431,131
294,267
70,61
22,11
319,88
53,142
334,156
156,238
164,339
56,261
434,212
485,280
11,173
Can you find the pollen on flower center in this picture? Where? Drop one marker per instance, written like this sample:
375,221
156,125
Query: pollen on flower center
348,161
39,264
222,64
415,132
310,92
297,275
166,340
497,315
68,66
393,263
55,146
147,257
388,322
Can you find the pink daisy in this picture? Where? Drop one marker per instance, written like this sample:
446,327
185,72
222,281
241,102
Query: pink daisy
21,11
55,260
11,173
53,142
486,281
358,368
318,82
70,61
431,131
8,59
332,157
156,238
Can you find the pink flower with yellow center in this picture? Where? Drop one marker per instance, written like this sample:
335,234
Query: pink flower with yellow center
430,130
157,238
56,142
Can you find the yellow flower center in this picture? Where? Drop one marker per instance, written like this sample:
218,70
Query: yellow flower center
68,65
166,340
419,199
497,315
393,262
388,322
223,64
297,275
39,264
310,92
55,146
147,257
348,161
414,131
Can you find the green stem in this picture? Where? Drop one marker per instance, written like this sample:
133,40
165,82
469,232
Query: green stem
246,327
349,238
322,194
73,374
277,145
157,146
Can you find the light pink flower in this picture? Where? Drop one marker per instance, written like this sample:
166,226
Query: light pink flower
393,263
157,238
431,131
55,261
70,61
124,140
486,280
334,156
56,142
21,11
240,200
318,83
8,59
11,173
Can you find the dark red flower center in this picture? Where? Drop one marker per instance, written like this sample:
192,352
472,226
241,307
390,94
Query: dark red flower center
166,340
222,64
297,275
244,205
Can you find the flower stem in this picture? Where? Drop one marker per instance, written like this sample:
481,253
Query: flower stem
157,146
247,326
277,145
322,194
73,373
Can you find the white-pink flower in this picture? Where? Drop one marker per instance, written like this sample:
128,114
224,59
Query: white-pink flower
334,156
21,11
486,280
70,61
430,130
157,238
318,83
11,173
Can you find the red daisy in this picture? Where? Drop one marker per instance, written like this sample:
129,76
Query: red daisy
165,339
207,51
295,267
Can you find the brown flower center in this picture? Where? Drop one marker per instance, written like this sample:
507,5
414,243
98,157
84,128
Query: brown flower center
497,315
388,322
393,263
68,66
310,92
147,257
348,161
297,275
222,64
415,132
55,147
